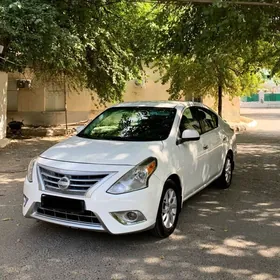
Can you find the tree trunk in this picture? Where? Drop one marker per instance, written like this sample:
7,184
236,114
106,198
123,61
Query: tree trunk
220,100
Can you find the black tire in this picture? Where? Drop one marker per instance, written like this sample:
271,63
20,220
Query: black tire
160,230
224,181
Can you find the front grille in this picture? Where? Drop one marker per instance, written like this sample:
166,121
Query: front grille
85,217
79,183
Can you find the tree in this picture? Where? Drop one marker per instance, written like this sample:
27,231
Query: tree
211,49
97,44
211,76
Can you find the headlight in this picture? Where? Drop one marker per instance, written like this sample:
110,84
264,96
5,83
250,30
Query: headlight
136,179
30,170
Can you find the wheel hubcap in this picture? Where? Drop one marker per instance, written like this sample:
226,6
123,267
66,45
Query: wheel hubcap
228,170
169,208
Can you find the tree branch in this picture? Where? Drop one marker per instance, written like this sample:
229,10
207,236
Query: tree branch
243,3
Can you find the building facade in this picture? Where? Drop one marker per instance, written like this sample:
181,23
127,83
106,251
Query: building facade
45,104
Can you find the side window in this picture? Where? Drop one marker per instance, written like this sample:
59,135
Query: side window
189,122
208,120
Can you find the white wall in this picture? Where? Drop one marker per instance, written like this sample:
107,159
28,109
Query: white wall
261,103
3,104
268,87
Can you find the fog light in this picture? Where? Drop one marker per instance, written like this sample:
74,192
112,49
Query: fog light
129,217
132,216
25,200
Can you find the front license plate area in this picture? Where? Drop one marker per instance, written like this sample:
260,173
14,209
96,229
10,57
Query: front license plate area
62,203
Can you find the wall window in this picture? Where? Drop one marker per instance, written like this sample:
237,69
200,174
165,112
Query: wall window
12,95
55,99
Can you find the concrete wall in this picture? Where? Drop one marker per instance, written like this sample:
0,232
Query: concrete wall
44,105
231,107
268,87
12,94
261,103
150,90
3,106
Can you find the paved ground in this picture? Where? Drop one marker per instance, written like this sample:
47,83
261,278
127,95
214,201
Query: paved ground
222,234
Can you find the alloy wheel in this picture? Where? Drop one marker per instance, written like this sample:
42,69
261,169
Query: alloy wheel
228,171
169,208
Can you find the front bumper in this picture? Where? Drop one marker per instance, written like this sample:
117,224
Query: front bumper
98,226
100,204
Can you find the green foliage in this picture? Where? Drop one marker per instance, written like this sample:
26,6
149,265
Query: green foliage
101,44
202,78
97,44
208,46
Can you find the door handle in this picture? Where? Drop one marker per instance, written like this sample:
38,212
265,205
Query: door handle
205,147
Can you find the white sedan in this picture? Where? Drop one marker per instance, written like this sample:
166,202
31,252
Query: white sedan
131,168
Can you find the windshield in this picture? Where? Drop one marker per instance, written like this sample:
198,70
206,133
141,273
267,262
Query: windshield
131,124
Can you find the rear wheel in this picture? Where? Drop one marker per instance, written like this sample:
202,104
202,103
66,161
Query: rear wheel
168,212
226,177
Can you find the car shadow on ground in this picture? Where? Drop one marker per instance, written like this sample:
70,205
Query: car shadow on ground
221,234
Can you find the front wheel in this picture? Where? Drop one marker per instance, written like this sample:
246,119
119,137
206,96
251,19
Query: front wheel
168,212
226,177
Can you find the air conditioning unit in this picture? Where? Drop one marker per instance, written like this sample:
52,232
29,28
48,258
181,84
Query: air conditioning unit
23,83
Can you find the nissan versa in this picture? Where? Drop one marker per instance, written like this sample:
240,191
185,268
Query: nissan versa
131,168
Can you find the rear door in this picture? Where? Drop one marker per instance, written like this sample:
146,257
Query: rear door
212,140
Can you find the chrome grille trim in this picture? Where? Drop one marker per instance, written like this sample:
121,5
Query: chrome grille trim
70,219
80,182
86,217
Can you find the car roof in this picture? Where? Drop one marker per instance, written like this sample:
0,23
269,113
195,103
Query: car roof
161,104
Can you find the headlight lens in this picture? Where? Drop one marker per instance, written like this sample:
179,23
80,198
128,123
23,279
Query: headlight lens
30,170
136,179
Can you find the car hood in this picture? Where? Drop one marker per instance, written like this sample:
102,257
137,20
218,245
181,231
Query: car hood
82,150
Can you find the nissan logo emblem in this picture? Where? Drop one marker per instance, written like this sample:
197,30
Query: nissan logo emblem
63,183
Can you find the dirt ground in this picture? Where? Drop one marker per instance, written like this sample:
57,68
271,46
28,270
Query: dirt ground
16,156
222,234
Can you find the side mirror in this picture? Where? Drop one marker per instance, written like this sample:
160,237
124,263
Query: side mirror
188,135
79,128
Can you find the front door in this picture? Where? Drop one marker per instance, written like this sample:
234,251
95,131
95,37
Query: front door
194,167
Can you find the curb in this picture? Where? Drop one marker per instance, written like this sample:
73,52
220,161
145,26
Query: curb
252,124
44,131
4,142
242,126
238,127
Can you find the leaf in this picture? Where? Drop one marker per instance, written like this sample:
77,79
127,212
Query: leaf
7,219
95,45
37,21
